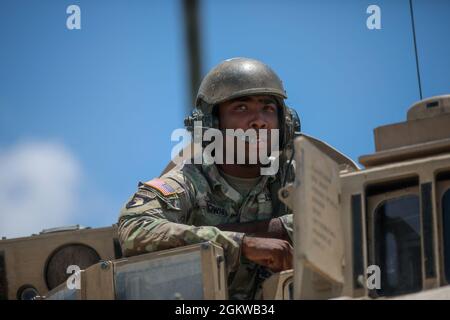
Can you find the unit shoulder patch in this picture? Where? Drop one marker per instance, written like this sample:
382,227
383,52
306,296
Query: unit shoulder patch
140,198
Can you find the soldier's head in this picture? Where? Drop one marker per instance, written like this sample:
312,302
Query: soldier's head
242,93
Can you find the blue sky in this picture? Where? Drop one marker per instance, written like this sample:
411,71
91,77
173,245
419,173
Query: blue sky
106,98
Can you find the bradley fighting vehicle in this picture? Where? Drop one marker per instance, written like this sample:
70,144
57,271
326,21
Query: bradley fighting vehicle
382,232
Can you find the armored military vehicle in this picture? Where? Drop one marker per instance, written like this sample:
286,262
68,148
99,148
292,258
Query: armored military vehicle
382,232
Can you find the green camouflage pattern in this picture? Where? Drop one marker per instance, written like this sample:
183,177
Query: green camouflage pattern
202,199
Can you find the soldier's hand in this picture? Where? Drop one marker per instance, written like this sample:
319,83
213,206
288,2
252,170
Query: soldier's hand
274,254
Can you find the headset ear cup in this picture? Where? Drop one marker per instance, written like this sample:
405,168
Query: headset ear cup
294,124
296,121
189,121
290,128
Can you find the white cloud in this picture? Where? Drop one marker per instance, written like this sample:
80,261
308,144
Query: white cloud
39,186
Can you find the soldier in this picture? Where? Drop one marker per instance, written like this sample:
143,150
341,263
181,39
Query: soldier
229,204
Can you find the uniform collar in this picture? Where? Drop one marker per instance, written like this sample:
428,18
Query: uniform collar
217,181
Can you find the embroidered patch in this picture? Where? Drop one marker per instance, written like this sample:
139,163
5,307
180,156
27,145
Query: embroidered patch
140,198
215,209
135,202
262,197
161,186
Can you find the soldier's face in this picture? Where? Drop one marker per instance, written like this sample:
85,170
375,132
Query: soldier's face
257,112
251,112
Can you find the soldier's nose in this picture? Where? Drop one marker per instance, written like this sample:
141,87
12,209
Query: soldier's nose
258,123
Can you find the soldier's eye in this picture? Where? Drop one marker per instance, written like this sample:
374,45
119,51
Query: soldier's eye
241,107
270,108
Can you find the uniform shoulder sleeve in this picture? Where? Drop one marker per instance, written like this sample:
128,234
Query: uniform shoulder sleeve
155,218
161,197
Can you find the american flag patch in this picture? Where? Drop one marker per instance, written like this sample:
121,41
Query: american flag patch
161,186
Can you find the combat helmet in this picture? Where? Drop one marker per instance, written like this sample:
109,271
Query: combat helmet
239,77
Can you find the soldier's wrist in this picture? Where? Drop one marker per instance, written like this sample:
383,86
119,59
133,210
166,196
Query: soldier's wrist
287,226
276,229
236,253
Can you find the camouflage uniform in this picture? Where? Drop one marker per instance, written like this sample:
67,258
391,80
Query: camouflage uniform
183,206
